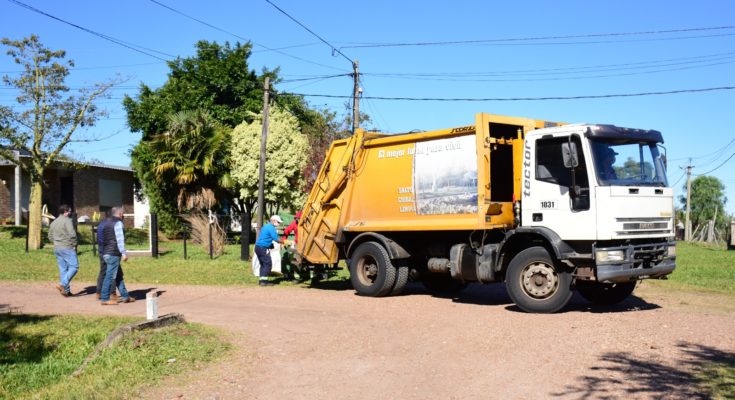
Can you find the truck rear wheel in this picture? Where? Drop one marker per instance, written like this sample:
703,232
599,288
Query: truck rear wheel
605,294
536,284
371,271
401,278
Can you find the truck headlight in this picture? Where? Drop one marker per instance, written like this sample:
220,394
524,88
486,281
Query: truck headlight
609,255
671,251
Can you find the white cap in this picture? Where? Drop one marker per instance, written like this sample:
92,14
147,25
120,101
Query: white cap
276,218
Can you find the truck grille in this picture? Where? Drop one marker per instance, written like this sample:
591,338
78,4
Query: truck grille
639,226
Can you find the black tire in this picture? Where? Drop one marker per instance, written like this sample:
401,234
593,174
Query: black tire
371,271
605,294
442,285
536,284
401,279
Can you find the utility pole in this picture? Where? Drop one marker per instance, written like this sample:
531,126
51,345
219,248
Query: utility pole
688,223
356,96
263,139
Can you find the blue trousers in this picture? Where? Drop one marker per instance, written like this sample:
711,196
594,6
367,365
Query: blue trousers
68,266
113,264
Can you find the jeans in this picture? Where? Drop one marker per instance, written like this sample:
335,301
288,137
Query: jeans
266,264
101,276
113,265
68,266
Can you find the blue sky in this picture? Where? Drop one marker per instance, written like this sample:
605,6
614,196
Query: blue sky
573,63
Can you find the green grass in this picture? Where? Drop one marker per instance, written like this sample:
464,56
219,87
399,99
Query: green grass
703,268
39,353
170,267
717,379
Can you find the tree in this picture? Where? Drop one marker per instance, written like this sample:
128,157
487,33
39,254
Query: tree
46,118
706,199
216,80
193,154
286,156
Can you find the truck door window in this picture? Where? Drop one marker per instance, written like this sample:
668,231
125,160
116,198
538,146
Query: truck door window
550,168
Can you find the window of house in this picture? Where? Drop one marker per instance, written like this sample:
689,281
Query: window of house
110,194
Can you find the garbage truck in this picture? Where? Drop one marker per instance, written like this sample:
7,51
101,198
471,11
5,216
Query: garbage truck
547,208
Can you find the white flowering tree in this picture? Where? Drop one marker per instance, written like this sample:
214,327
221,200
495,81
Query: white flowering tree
286,155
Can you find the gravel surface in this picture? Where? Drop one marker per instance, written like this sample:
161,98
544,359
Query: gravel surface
327,343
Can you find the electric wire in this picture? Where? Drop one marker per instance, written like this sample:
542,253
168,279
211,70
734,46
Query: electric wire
717,167
536,38
719,151
119,42
711,59
566,78
334,49
601,96
240,37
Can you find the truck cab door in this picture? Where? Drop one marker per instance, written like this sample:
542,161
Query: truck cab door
551,200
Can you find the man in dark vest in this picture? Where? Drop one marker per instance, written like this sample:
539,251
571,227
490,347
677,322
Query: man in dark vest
113,251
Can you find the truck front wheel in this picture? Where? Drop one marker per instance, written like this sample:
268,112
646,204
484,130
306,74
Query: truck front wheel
371,271
605,294
536,284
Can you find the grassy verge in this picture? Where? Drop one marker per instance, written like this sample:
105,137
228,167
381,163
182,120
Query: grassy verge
39,353
717,380
170,267
702,268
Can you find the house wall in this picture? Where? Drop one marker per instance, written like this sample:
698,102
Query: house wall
89,198
7,174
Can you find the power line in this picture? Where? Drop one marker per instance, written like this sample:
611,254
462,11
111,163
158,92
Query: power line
334,49
536,38
94,68
718,167
565,78
719,152
638,64
602,96
100,35
238,36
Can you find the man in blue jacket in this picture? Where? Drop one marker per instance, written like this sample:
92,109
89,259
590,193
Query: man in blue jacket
263,244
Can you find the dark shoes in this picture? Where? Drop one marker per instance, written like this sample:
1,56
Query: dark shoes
128,300
266,283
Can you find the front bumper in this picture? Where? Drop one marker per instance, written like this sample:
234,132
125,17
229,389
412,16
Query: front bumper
642,261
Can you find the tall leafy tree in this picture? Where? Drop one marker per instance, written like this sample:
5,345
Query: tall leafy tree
286,157
706,199
47,117
217,80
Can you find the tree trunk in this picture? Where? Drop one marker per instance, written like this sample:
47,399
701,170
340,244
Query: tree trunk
34,214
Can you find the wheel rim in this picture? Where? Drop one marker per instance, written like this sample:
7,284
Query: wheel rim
539,280
367,270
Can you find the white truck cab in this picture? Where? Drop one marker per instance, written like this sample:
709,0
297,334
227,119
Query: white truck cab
603,190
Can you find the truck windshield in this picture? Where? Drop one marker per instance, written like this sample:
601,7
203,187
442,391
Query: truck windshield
628,163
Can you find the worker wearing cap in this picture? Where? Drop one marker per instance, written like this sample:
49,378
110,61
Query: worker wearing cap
265,240
607,171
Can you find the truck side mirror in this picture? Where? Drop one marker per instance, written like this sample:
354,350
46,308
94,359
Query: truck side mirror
569,154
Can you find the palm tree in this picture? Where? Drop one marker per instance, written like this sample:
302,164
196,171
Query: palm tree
194,155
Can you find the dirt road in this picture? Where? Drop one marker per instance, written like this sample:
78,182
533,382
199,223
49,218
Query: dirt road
328,343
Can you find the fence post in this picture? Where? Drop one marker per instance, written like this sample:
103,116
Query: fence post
244,237
186,233
153,226
211,249
94,240
28,231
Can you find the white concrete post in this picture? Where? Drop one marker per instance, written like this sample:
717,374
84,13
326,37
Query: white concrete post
151,305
